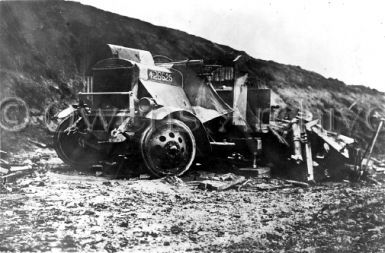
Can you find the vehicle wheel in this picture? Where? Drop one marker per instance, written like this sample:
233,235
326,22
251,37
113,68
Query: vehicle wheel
168,148
71,148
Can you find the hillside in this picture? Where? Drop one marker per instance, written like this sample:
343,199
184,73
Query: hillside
47,47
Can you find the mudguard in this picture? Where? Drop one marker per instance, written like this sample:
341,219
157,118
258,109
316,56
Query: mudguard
162,112
192,121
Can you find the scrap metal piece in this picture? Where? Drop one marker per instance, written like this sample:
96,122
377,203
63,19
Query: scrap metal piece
297,156
297,183
240,101
66,112
136,55
4,170
337,142
374,140
21,168
205,114
309,160
221,185
279,137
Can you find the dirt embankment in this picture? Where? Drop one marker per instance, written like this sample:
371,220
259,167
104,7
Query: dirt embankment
47,48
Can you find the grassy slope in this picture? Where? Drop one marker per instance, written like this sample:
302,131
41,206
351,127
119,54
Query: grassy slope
46,48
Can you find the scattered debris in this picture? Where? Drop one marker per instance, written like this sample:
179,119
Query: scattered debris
176,229
173,180
221,185
243,184
144,176
107,183
200,218
20,168
37,143
372,180
297,183
10,172
4,165
54,161
3,170
261,172
188,215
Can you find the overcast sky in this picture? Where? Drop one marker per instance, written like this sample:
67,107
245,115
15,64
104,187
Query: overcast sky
342,39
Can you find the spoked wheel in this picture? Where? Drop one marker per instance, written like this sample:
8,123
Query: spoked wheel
168,148
72,148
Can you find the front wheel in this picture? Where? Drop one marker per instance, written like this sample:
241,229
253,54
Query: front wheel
71,147
168,148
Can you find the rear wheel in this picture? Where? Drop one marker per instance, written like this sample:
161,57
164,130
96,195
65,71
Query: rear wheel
72,148
168,148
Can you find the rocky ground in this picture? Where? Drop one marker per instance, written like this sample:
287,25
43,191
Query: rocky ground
55,208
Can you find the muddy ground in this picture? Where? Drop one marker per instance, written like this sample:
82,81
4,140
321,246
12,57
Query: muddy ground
55,208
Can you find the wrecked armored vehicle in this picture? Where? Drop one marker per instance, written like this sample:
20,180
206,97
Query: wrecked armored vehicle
171,114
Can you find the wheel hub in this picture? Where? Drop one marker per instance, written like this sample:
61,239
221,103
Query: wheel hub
168,146
172,149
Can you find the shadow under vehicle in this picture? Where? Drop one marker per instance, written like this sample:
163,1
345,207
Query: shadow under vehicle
172,114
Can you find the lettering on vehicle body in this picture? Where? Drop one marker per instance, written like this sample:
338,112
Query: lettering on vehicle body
160,76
